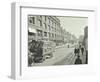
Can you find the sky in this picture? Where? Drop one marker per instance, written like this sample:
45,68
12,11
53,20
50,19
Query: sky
74,25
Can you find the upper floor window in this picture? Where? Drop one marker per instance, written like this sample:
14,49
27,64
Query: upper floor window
49,20
32,20
49,34
45,34
40,23
45,18
49,27
45,26
52,35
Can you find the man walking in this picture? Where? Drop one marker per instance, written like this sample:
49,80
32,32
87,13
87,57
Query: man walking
78,60
82,50
75,51
78,51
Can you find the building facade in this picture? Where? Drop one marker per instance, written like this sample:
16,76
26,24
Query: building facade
46,27
85,41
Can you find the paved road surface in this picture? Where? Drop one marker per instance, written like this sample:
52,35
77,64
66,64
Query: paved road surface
59,54
62,56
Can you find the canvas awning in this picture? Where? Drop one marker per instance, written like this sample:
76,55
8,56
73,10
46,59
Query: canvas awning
32,30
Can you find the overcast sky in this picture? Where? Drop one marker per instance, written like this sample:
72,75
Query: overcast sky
74,25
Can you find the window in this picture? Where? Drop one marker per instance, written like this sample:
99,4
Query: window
39,32
49,27
45,18
52,35
32,20
45,26
55,35
45,34
49,34
40,23
49,20
52,23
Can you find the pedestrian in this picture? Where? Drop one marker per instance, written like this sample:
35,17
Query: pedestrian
78,51
75,51
78,60
82,50
80,46
86,56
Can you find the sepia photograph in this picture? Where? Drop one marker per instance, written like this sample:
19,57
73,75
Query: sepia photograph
57,40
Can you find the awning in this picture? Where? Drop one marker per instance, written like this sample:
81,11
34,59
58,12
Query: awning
32,30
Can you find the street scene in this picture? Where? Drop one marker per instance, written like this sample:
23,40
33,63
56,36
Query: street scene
57,40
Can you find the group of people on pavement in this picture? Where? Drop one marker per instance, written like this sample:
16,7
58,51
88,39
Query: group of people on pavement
77,52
